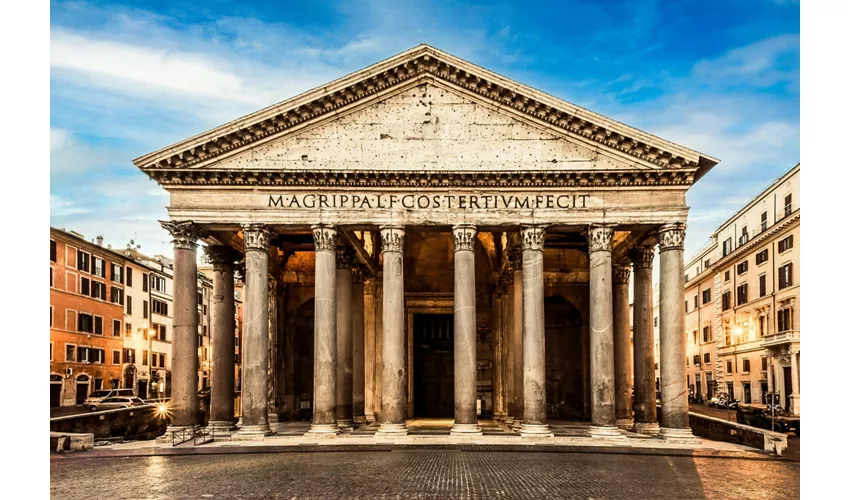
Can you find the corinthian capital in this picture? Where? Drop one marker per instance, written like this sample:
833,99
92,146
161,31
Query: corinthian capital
642,256
621,274
392,239
185,233
599,238
220,255
532,237
256,237
324,237
671,236
464,237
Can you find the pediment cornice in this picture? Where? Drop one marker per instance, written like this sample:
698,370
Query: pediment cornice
419,62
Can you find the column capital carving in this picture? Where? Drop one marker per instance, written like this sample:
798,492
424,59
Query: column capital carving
599,238
532,237
324,237
464,236
344,257
256,237
642,256
184,233
672,236
392,239
220,255
621,274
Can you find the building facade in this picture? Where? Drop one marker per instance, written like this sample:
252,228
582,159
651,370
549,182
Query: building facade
742,295
427,238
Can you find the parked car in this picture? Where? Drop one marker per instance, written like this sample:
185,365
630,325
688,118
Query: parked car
98,396
116,402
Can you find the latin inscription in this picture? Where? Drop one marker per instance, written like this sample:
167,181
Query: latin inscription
430,201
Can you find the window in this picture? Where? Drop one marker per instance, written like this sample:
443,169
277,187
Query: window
788,205
742,267
116,357
116,295
85,323
726,300
742,294
162,360
128,330
83,260
764,363
727,334
90,355
117,273
129,276
153,359
145,309
761,257
706,264
129,355
98,325
83,354
730,388
687,278
746,366
85,286
696,360
696,301
706,334
763,221
52,251
129,304
728,366
200,341
158,283
144,282
145,358
200,299
51,316
98,290
695,337
786,243
762,326
69,352
205,330
706,296
656,321
116,327
762,285
160,307
785,276
159,332
726,276
706,358
98,267
51,277
727,247
686,305
744,236
784,320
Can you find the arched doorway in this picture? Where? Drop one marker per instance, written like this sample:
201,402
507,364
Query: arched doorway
564,377
82,388
130,377
55,391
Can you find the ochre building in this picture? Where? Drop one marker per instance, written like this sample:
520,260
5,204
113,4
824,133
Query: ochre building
425,238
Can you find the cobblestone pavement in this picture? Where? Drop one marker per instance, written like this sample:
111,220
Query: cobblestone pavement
422,474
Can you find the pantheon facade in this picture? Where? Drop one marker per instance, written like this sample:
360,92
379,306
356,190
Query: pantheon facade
425,238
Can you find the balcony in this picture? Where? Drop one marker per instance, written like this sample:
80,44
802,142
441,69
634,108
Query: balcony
780,338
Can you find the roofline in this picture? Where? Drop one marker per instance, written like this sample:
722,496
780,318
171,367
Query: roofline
108,250
789,173
705,162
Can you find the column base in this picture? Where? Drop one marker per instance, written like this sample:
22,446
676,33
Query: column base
370,418
345,424
626,424
647,428
222,427
509,420
322,431
252,432
378,417
391,430
605,432
465,430
273,418
516,425
685,436
360,419
535,431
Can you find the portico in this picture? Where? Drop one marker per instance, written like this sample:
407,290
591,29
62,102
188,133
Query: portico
418,188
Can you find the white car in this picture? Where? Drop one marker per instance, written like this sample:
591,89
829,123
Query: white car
97,396
116,402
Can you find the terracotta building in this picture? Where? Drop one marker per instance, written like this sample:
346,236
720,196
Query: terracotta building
742,299
86,317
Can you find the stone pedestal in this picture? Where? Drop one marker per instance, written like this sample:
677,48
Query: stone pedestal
255,336
393,372
465,332
325,332
645,413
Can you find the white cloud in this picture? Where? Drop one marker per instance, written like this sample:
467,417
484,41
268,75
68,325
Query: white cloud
761,64
61,207
59,138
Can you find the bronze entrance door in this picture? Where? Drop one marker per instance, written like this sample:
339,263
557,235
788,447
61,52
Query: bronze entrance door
433,365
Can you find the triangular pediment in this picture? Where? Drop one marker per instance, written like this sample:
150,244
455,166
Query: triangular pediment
424,110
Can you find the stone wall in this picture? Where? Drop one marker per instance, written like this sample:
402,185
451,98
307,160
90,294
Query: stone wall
130,423
732,432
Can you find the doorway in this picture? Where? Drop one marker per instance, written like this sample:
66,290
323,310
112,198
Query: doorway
786,375
433,365
565,388
55,391
82,388
143,389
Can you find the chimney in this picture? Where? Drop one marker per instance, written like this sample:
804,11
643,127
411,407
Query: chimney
99,240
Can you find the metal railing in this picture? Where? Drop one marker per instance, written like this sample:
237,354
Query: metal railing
197,434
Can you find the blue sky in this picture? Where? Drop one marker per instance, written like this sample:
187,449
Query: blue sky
721,77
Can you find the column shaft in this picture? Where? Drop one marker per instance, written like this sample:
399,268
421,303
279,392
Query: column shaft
255,338
602,414
358,383
465,365
223,339
510,350
393,374
496,342
344,339
325,333
517,336
646,421
795,384
370,314
674,390
622,349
